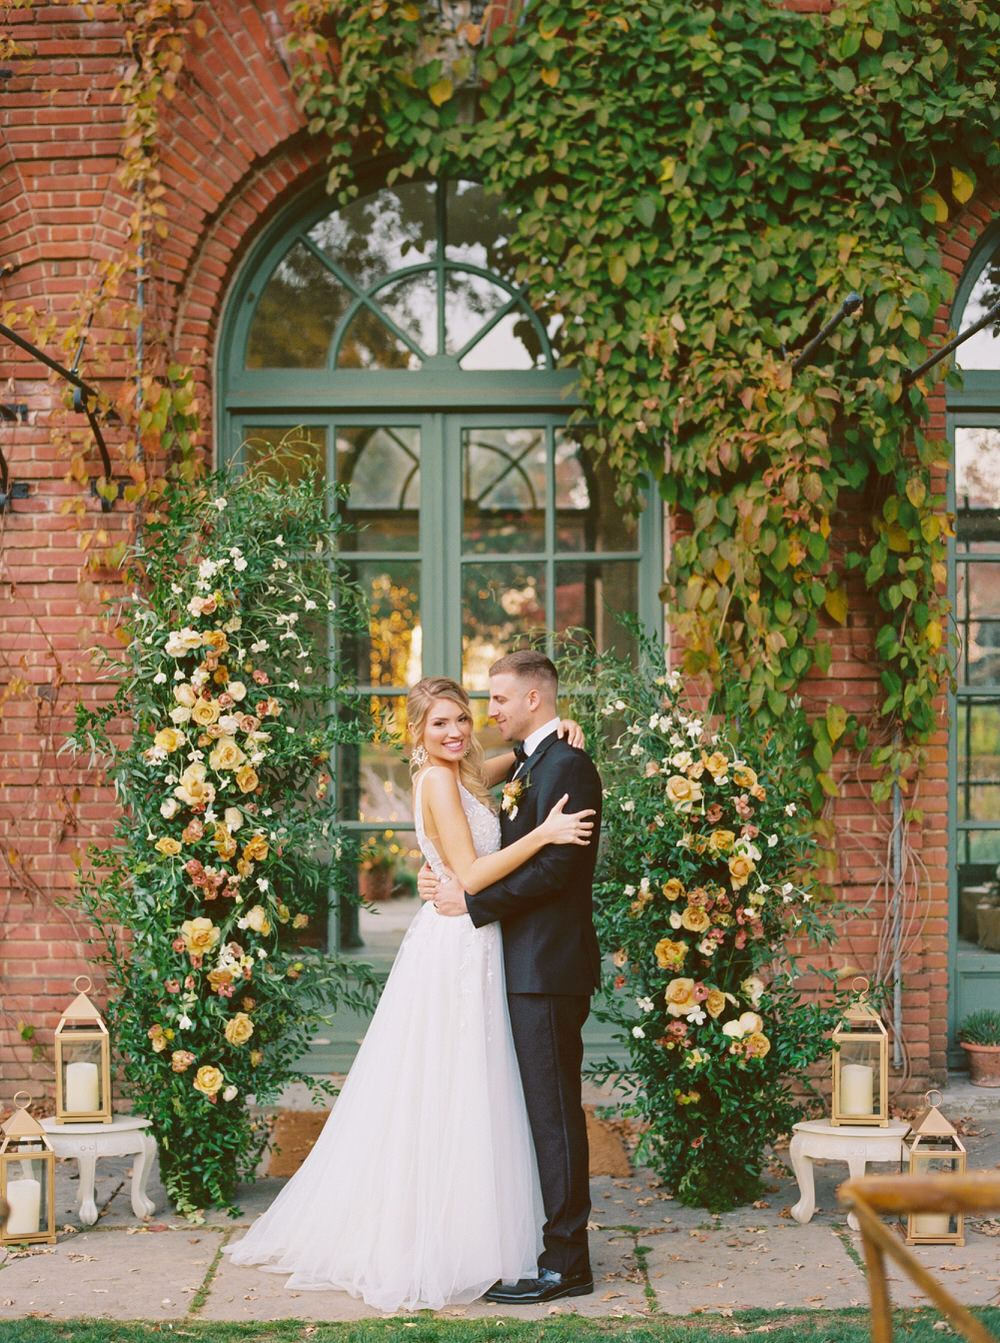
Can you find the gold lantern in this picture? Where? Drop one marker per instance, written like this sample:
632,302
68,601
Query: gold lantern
860,1064
935,1148
83,1062
27,1178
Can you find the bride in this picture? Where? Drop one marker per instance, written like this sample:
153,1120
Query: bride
422,1189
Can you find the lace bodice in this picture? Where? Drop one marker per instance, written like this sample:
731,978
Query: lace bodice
483,823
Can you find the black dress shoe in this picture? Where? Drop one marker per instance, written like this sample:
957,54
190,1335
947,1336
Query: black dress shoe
548,1286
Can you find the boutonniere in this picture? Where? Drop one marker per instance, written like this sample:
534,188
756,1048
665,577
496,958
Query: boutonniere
512,794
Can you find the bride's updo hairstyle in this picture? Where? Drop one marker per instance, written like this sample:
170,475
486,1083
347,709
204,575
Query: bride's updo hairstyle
418,706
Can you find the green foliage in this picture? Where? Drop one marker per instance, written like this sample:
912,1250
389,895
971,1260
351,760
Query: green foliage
981,1028
696,187
217,742
707,878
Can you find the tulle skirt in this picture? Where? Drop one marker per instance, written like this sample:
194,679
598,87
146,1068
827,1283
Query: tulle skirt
422,1189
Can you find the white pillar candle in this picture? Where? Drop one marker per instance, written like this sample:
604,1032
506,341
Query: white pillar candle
25,1199
857,1089
82,1088
932,1224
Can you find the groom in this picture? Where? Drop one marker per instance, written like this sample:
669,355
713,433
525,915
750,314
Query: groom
551,958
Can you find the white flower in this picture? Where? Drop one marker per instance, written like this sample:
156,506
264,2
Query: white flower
619,704
207,569
708,946
628,891
628,804
220,504
278,564
638,1032
260,646
636,749
262,883
180,715
160,678
181,642
694,728
279,540
697,1017
675,920
772,841
176,589
169,808
240,564
261,954
184,1022
233,818
230,1093
331,605
644,1004
293,685
787,889
791,809
310,605
682,760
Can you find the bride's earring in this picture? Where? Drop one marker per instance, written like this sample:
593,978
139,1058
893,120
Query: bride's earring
419,757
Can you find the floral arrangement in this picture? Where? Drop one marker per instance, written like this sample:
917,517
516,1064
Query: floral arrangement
706,878
228,709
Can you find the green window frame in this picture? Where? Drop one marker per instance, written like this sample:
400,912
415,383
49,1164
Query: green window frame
464,419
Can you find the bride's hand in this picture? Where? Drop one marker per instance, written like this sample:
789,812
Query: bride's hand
572,731
561,827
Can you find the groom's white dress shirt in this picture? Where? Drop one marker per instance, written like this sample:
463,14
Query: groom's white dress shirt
533,740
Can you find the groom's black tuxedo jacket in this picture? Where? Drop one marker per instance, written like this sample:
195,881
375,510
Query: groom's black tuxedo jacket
545,906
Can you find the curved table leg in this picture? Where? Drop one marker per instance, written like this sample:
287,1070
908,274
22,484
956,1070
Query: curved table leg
142,1204
802,1166
87,1166
856,1170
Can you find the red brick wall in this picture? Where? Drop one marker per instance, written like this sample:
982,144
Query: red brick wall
234,149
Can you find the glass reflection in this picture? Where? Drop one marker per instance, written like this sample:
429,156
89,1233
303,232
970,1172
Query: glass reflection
479,228
368,343
296,314
513,344
381,233
592,595
413,305
983,349
286,452
978,616
388,653
505,489
382,785
501,605
381,467
977,488
470,300
587,516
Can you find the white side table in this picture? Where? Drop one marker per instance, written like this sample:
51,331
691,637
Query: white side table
84,1143
857,1144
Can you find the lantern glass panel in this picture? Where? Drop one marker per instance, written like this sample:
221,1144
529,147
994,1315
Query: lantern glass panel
860,1076
82,1074
25,1184
935,1157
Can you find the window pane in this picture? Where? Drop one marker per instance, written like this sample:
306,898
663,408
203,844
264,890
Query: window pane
587,516
368,343
478,228
388,652
513,343
372,237
470,300
983,349
594,594
505,488
978,596
296,315
287,452
978,748
413,305
381,466
502,604
379,790
977,488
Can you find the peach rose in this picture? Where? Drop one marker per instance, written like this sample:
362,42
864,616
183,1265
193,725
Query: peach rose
225,846
181,1060
170,848
185,695
716,763
246,779
757,1045
200,936
226,754
216,640
256,849
744,776
168,739
233,818
682,792
715,1003
237,690
670,955
205,712
256,918
740,868
208,1080
695,919
193,787
721,841
680,997
238,1029
673,889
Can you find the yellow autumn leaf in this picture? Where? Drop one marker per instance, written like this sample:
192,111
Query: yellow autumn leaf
916,491
824,526
935,199
934,633
440,91
667,167
547,31
962,185
550,76
897,538
722,569
835,603
873,37
409,12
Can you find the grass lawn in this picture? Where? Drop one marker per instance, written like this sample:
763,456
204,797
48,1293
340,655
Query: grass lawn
835,1326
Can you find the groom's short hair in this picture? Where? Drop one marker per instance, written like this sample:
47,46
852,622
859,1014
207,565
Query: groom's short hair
529,665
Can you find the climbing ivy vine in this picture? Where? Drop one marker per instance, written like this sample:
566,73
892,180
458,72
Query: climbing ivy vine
696,187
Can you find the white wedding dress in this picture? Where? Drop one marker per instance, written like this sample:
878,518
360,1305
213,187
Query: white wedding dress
422,1189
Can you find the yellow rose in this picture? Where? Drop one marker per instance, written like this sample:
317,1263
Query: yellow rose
673,889
255,849
682,792
246,779
216,640
205,712
679,997
170,848
758,1045
193,787
256,918
256,1057
300,921
740,867
715,1003
670,955
168,739
225,845
239,1029
208,1080
219,979
200,936
721,841
695,919
185,694
744,776
716,763
226,754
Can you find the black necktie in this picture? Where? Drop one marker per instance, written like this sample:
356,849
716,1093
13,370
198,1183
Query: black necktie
520,754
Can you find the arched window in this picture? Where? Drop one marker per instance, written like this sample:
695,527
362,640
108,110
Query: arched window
388,342
974,427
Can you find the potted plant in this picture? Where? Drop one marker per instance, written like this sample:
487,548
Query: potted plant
979,1036
377,869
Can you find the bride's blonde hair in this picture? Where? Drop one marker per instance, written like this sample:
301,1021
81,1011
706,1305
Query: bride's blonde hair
418,706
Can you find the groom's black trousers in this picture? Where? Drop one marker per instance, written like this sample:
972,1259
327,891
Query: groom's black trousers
547,1037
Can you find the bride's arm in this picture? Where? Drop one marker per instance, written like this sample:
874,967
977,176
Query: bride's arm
447,824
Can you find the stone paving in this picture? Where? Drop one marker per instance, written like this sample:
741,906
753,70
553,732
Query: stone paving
650,1255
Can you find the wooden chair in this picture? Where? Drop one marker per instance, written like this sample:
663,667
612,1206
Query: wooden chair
899,1195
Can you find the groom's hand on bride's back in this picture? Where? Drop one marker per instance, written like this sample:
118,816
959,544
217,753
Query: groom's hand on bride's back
450,898
427,883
